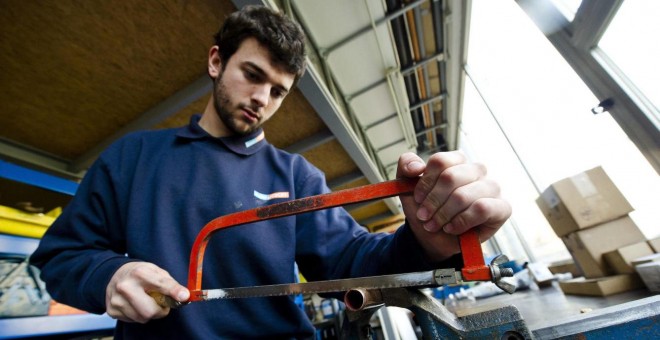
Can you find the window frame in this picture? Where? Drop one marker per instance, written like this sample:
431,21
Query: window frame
577,42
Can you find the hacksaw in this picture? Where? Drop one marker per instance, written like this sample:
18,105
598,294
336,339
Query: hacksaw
475,268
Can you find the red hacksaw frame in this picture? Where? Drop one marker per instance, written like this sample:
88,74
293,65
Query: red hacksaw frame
474,269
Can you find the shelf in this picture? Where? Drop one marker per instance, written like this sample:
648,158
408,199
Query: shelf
52,325
23,184
36,178
17,244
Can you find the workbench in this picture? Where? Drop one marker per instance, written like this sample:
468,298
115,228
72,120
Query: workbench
542,308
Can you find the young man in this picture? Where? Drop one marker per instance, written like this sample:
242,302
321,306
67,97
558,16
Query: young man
130,227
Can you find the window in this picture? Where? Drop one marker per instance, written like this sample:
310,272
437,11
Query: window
630,42
527,116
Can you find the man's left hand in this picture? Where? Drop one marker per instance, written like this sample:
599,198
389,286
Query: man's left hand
451,197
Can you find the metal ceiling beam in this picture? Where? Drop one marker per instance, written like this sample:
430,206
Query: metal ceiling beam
416,106
440,56
432,128
34,158
168,107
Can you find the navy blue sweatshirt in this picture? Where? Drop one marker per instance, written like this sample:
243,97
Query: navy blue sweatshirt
149,194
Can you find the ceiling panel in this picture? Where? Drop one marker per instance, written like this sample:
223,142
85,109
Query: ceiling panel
76,75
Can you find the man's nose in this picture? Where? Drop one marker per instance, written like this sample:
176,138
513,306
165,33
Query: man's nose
261,94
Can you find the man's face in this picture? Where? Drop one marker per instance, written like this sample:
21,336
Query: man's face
249,88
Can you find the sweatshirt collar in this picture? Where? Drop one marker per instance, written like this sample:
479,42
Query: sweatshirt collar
243,145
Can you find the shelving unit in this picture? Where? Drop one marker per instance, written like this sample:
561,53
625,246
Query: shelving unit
19,180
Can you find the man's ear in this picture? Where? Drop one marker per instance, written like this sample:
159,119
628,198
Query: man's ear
214,62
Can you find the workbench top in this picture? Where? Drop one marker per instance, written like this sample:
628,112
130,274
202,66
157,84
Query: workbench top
540,307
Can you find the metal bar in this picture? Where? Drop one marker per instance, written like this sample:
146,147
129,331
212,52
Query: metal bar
432,128
390,144
380,121
366,89
428,101
411,68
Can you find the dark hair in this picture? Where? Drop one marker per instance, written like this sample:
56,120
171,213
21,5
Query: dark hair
282,36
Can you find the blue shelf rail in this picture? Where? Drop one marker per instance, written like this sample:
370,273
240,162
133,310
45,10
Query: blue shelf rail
39,179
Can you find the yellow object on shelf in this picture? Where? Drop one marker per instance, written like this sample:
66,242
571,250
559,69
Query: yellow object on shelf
21,223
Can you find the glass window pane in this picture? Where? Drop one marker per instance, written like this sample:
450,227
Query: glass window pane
482,141
631,42
544,109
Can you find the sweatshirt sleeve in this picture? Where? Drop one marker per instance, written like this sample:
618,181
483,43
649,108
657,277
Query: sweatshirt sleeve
332,245
83,248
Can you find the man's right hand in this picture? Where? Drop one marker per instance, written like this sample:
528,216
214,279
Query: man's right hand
127,298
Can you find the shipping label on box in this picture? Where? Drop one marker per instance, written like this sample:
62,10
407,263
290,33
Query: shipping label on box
582,201
588,246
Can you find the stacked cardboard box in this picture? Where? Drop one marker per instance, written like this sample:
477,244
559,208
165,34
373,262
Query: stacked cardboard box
655,244
648,268
590,215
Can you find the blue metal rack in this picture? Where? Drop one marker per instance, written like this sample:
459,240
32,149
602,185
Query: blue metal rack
27,327
39,179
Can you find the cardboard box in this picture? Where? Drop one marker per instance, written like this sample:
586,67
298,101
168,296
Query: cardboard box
655,244
620,260
582,201
646,259
650,274
566,266
603,286
588,246
541,274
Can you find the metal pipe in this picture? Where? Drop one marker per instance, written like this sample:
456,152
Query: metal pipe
359,298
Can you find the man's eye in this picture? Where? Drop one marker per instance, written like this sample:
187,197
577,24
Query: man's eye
251,75
277,93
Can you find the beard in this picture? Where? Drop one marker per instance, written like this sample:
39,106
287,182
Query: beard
223,107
